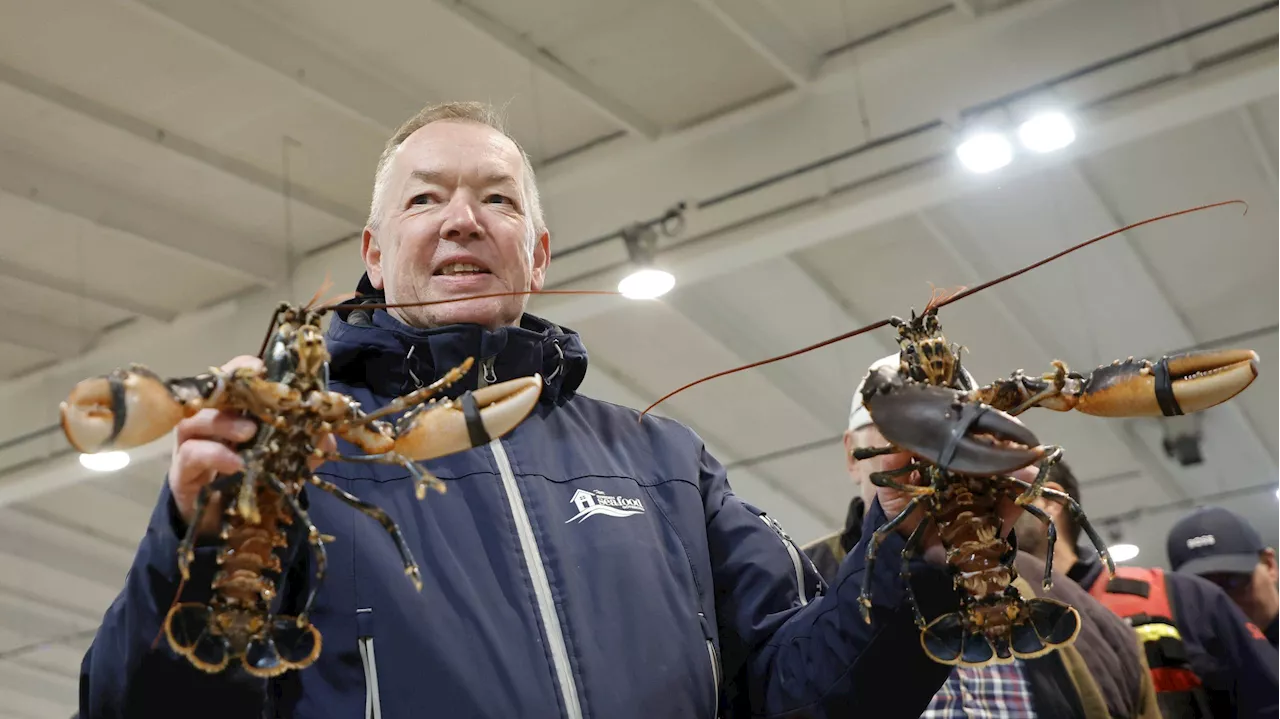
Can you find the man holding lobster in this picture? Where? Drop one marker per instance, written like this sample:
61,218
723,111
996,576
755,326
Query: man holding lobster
681,601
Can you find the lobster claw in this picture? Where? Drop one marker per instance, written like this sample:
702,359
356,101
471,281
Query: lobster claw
939,425
454,425
1180,384
126,408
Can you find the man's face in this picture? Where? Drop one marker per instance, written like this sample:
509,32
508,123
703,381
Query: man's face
453,223
1256,593
860,470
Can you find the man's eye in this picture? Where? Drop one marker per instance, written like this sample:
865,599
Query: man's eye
422,199
499,199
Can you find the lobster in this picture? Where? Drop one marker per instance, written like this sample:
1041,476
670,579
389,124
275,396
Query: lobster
295,409
963,442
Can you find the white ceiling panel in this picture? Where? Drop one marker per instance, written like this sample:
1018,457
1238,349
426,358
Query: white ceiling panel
697,70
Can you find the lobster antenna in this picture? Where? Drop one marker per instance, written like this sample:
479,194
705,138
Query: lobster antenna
941,302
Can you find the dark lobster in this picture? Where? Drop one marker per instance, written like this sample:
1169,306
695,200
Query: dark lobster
964,441
295,409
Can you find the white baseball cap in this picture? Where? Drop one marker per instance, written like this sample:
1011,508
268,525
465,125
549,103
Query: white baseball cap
858,415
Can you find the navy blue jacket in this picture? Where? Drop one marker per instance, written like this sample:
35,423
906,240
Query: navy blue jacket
584,565
1238,667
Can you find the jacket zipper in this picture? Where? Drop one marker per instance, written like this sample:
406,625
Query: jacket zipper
372,702
791,550
715,661
541,585
487,374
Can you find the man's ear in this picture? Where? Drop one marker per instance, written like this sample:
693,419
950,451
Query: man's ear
541,260
1269,561
371,253
849,461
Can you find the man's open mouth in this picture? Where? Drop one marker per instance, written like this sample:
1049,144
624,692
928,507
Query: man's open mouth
461,268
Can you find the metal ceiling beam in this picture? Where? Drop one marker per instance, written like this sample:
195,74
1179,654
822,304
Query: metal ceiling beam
66,470
107,207
933,180
756,26
158,136
18,329
1266,159
98,296
599,98
274,46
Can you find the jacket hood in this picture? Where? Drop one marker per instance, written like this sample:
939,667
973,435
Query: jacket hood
374,349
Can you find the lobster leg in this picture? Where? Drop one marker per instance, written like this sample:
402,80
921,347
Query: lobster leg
186,548
909,551
410,567
1077,514
424,478
1053,456
864,597
861,453
314,539
882,479
1039,514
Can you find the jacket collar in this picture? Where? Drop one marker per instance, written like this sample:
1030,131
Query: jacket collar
391,358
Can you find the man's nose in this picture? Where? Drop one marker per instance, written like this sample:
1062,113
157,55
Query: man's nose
460,221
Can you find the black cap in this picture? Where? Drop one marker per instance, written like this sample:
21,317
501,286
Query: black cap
1213,540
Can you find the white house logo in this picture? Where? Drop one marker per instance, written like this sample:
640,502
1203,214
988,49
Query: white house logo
596,502
1204,540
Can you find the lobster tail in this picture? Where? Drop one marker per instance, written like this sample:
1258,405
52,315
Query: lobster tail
285,646
999,632
188,629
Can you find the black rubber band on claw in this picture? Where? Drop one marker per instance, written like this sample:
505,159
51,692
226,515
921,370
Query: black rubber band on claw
1164,389
475,425
118,408
969,413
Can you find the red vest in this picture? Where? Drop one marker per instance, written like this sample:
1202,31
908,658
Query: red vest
1140,596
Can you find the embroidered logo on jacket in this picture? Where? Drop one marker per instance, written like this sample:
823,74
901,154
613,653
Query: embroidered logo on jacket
596,502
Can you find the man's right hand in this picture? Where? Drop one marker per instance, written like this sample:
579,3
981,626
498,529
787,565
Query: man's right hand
205,449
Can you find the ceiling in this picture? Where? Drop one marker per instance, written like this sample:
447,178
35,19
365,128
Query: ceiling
170,169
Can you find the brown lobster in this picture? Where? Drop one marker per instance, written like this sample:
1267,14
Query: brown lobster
964,441
295,409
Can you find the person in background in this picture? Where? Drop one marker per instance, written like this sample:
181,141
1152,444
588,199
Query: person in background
1220,546
1102,675
1206,658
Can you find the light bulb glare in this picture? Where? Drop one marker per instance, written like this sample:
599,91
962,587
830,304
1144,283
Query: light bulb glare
985,152
646,284
1046,132
105,461
1123,552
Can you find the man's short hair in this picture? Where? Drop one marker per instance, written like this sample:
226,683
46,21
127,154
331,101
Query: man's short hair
476,112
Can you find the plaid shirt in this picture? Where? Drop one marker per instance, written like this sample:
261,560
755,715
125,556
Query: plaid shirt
999,691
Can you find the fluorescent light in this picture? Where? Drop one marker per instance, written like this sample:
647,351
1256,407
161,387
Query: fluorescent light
646,284
1047,132
105,461
1123,552
985,152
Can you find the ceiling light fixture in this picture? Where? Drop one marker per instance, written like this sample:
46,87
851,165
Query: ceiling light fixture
646,282
105,461
985,152
1046,132
1123,552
